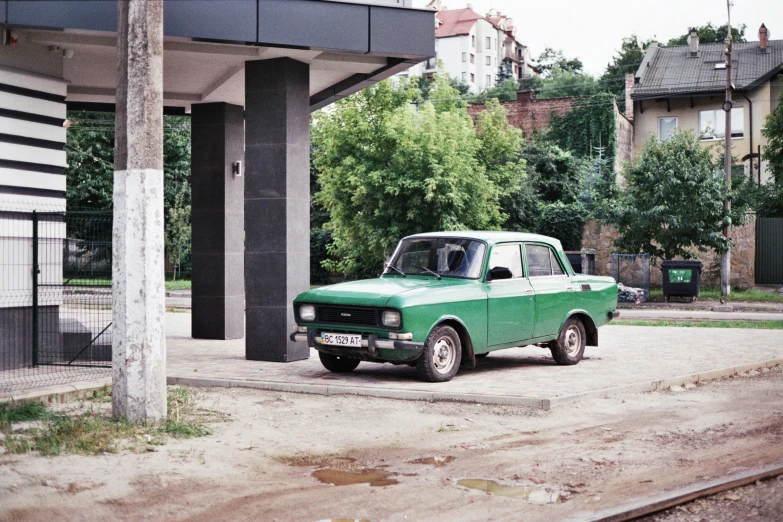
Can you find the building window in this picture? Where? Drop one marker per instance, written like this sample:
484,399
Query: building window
666,126
472,78
472,58
464,76
515,68
473,40
489,60
489,42
712,124
489,80
464,57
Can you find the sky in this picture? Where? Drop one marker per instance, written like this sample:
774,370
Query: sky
593,31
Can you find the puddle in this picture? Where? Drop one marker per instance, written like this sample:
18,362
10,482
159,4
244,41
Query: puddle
343,477
531,493
345,463
438,462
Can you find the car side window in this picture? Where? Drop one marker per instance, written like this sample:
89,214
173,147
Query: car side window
556,268
507,256
538,260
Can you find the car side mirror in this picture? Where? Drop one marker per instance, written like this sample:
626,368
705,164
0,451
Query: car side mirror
500,272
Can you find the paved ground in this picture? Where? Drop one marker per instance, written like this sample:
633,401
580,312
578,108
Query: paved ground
629,358
700,315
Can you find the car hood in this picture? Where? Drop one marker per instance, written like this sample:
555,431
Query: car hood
372,292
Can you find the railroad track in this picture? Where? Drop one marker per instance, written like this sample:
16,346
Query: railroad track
668,500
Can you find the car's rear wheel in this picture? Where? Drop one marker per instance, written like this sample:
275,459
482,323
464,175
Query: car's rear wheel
570,345
338,363
442,353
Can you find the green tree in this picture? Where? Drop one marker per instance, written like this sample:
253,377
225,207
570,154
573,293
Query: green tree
553,173
711,34
560,83
505,72
773,132
672,204
564,222
626,60
551,59
599,189
90,152
388,169
178,229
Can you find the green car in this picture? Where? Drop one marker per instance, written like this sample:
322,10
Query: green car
446,298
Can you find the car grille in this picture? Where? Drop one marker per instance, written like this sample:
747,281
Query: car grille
348,315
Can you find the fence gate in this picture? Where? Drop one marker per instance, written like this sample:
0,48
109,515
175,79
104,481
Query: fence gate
769,251
55,298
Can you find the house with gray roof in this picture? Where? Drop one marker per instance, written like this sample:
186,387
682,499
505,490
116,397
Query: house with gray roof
683,87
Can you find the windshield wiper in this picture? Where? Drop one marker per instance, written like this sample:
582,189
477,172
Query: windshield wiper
427,270
403,274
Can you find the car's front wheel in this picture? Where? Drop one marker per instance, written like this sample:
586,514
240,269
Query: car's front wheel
442,353
570,345
338,363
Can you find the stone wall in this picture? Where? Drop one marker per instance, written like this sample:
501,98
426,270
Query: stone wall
743,255
528,113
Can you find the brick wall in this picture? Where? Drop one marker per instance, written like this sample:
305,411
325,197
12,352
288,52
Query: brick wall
528,113
743,254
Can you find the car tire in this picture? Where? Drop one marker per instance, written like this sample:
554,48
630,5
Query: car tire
338,363
570,345
441,357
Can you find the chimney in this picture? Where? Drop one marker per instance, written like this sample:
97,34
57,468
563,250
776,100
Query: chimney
693,42
763,36
629,83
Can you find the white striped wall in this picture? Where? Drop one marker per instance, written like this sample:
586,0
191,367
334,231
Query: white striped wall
32,177
32,141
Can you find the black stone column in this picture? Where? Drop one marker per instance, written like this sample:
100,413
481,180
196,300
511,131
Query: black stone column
217,141
277,204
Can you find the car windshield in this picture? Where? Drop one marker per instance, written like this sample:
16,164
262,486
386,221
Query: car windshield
446,257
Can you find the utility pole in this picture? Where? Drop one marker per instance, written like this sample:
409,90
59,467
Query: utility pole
725,259
139,303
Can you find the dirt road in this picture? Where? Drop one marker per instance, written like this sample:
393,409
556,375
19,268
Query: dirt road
277,457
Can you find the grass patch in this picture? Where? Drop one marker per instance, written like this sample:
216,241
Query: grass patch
737,295
91,432
753,325
179,284
177,310
11,412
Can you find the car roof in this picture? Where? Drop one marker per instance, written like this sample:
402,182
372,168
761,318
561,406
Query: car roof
493,236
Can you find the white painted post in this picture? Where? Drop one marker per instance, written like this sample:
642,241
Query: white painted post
138,336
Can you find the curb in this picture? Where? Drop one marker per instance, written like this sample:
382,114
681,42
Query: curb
543,403
59,393
681,496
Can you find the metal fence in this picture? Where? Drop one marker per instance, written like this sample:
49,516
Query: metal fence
55,297
632,273
769,251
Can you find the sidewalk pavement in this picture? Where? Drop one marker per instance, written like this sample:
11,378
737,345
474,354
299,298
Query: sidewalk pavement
698,315
629,359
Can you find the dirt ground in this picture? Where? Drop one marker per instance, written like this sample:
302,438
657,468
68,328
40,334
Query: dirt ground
283,457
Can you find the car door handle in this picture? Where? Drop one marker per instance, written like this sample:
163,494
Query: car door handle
528,291
569,287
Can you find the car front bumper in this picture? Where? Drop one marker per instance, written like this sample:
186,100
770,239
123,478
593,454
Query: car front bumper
372,343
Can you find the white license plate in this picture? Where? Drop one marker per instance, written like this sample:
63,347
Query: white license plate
347,340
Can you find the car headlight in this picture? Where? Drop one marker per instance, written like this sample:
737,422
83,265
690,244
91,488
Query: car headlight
307,313
391,319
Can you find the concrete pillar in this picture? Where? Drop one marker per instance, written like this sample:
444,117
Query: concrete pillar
218,210
277,204
138,339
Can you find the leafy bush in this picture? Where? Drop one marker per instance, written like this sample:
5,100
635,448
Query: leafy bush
564,222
